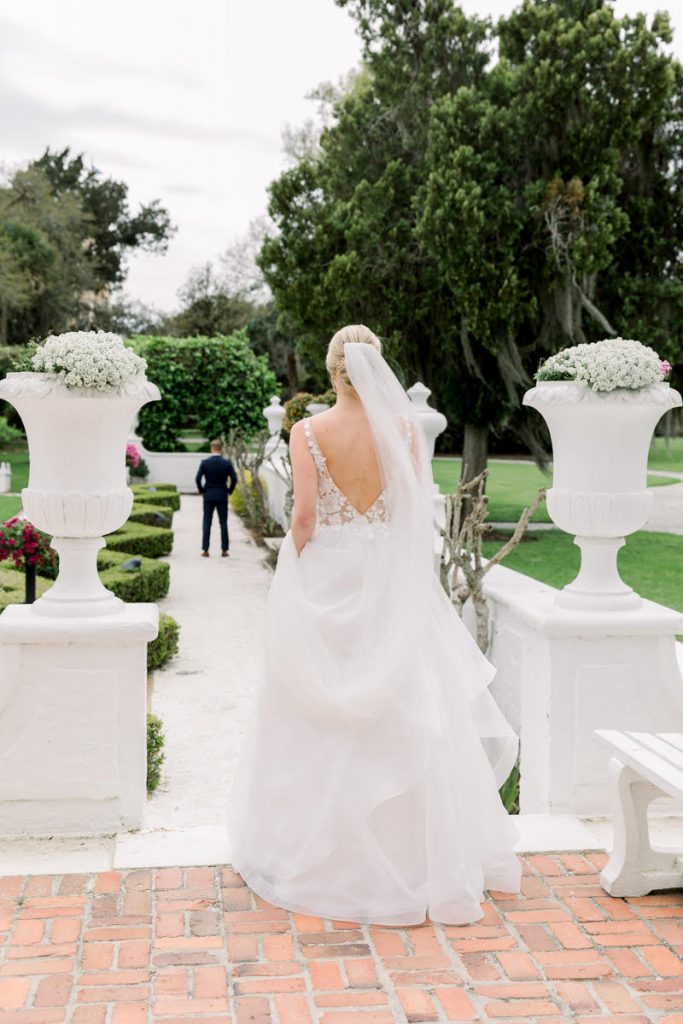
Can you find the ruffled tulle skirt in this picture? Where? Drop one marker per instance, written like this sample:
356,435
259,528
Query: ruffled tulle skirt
367,784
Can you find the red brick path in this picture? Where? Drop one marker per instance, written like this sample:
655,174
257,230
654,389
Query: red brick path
175,945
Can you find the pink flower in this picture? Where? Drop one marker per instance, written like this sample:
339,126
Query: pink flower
665,367
132,456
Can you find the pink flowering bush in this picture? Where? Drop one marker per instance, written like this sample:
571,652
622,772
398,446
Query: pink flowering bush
132,456
20,541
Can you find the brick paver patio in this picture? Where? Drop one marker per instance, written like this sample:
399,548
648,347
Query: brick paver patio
173,945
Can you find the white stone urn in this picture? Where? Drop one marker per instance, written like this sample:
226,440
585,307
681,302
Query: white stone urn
600,447
77,478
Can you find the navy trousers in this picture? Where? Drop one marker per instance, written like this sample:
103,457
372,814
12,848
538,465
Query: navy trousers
220,505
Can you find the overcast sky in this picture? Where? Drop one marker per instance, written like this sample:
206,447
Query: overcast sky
185,100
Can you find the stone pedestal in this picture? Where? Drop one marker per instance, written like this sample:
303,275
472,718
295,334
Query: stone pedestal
73,721
564,673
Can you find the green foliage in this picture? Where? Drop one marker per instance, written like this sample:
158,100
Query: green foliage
509,791
295,407
139,472
59,271
209,308
148,583
480,213
113,231
151,514
140,539
165,646
155,755
65,231
157,494
9,436
212,384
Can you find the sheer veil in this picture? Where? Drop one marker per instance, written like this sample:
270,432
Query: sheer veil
408,592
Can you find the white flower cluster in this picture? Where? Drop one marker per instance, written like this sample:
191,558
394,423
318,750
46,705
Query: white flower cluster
606,365
89,359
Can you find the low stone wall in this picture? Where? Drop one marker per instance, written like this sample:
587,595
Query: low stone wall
563,673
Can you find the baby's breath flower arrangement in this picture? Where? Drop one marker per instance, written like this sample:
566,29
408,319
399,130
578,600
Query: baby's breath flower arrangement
607,365
88,359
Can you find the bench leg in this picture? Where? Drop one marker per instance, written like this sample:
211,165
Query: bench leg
634,867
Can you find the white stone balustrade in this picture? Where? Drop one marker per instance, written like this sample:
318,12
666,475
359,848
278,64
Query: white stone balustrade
5,477
275,415
433,423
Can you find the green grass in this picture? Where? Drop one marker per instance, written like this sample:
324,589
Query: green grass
649,562
9,506
663,456
18,459
511,487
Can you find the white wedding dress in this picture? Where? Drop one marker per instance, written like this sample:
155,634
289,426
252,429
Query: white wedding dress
367,785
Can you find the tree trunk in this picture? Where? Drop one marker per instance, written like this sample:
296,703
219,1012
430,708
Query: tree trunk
475,451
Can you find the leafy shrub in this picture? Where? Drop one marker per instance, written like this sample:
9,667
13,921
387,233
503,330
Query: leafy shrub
161,650
161,494
151,515
9,435
11,355
139,472
295,407
140,539
148,583
155,755
239,382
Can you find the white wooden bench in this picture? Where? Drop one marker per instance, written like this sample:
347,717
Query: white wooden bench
643,766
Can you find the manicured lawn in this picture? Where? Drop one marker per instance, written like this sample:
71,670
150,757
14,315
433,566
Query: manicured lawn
663,456
9,506
11,503
650,562
18,459
511,487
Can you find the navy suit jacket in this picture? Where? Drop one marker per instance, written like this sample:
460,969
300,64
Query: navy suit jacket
213,475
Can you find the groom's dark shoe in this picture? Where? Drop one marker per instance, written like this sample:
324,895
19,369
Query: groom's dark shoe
225,554
205,554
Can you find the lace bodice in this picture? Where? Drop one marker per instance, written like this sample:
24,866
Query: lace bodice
333,508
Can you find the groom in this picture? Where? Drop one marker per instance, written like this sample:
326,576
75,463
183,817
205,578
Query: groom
212,481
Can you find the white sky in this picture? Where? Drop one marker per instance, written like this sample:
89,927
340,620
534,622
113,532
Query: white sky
184,100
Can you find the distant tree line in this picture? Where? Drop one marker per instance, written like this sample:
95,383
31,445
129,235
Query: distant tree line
483,194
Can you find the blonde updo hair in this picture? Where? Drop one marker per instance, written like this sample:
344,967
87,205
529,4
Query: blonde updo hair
354,333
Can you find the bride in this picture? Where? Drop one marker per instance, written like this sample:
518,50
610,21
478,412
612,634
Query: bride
367,785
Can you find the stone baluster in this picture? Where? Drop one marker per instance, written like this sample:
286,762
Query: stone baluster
433,423
5,477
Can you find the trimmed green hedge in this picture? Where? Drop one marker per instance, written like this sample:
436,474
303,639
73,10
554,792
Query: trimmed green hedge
241,385
148,583
155,754
159,494
161,650
139,539
151,515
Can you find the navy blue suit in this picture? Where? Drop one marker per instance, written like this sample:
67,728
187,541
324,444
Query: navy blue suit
212,481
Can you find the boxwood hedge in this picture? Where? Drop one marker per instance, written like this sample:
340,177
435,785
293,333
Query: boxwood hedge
160,494
139,539
161,650
151,515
